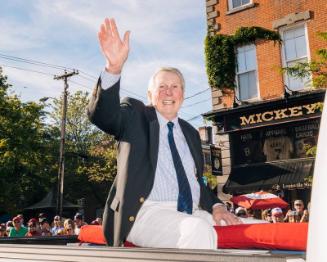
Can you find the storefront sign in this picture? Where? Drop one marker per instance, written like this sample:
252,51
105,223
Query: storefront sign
274,143
268,116
216,162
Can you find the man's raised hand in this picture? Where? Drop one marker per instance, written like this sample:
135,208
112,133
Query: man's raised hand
114,49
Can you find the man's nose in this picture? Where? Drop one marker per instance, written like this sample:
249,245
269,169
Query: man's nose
169,90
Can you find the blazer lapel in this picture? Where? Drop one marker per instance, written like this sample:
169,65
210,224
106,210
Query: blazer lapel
153,135
194,151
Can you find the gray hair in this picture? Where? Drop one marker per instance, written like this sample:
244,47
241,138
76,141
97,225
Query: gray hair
165,69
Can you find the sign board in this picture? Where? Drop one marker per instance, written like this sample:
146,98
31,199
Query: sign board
216,162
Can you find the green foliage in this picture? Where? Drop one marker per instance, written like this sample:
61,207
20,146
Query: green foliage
21,150
212,180
90,159
220,53
246,35
29,151
317,68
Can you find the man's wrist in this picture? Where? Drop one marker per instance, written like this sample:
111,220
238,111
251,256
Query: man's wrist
219,205
114,69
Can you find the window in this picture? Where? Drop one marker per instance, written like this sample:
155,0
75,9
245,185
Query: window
238,3
294,51
247,72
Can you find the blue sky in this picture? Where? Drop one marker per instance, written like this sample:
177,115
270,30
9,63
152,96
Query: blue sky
64,32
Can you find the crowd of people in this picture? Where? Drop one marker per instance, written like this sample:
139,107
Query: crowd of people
41,226
297,214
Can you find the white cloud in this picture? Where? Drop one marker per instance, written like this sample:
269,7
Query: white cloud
64,32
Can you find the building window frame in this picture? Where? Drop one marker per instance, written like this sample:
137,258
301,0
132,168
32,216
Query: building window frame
286,78
238,73
231,7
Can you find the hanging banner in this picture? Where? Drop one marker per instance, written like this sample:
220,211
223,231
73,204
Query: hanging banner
216,162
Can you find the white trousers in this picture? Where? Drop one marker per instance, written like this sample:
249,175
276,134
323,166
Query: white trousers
160,225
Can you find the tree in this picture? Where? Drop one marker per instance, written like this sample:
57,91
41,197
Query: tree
22,151
90,159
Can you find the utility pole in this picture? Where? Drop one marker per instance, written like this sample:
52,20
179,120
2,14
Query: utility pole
61,171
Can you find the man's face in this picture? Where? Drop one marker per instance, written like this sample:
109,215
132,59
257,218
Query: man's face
298,206
277,218
78,222
167,95
17,224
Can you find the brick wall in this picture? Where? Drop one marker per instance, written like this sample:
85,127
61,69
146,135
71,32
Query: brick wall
270,14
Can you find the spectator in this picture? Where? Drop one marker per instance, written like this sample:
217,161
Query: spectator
68,229
45,227
32,227
298,214
99,220
21,219
9,226
17,230
95,222
3,232
277,215
241,212
266,215
41,217
79,222
57,226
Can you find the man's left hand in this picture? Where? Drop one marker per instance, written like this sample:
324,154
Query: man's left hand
223,217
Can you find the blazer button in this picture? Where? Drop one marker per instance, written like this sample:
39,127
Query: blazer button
131,219
141,199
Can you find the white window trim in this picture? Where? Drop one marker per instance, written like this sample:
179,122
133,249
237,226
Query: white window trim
231,8
237,89
283,55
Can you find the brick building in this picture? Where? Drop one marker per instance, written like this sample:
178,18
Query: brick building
264,123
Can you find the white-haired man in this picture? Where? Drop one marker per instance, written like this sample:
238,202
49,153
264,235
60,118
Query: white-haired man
158,198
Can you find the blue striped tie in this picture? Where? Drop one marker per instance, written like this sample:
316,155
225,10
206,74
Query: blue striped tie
184,202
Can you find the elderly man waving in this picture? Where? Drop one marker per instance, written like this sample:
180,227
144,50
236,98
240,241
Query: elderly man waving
158,198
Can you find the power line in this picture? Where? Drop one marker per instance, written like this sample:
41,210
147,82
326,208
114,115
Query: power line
85,75
28,70
202,101
33,62
193,118
201,92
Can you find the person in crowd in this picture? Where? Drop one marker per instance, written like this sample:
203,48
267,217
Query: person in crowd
277,215
99,220
33,228
41,217
3,232
298,214
17,230
159,186
9,226
69,227
95,223
57,225
266,215
45,227
21,216
79,222
241,212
